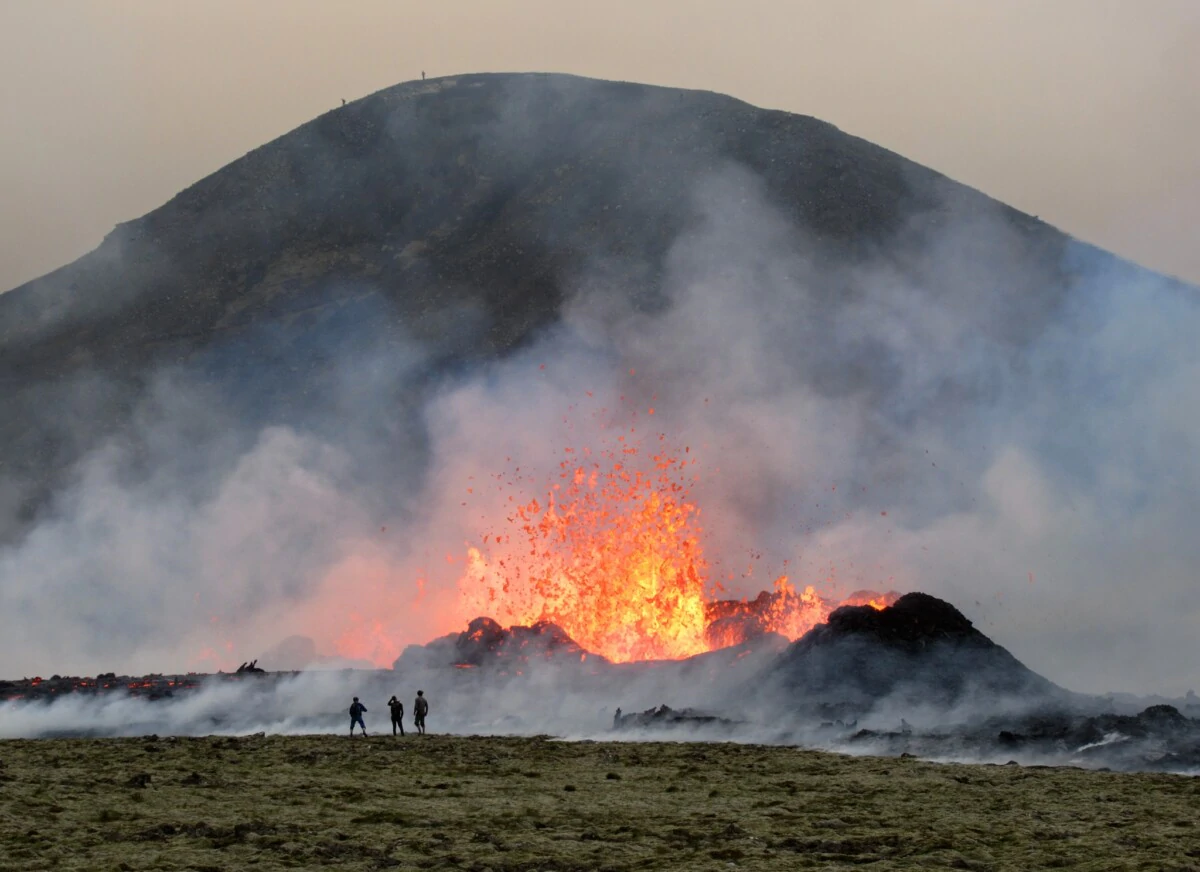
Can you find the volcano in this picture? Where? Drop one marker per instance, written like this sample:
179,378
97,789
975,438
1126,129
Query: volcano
333,285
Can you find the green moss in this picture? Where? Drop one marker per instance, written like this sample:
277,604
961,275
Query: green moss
329,802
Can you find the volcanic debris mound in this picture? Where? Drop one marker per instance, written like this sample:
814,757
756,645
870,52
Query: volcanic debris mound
919,650
486,645
665,717
913,620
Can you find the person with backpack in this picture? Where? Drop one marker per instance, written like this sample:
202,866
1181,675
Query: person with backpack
357,710
420,709
397,709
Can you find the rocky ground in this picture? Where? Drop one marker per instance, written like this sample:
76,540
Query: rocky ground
155,686
506,804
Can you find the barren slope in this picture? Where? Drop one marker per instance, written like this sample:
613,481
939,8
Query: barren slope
455,215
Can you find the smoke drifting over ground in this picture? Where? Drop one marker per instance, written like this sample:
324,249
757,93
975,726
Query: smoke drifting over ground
720,697
941,412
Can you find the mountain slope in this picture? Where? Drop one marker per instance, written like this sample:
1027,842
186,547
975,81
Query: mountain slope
455,216
425,189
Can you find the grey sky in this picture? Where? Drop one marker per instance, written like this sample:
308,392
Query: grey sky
1081,111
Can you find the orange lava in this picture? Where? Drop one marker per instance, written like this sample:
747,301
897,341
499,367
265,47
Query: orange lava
613,556
785,611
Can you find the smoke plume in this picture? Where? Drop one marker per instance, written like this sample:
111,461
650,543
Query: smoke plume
941,413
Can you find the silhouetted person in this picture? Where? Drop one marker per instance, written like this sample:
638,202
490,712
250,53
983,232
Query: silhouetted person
357,710
422,75
420,709
397,709
343,101
617,720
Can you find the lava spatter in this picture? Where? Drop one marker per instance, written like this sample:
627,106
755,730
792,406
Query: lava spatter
613,556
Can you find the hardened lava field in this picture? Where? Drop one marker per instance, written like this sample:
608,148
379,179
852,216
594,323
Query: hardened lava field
440,802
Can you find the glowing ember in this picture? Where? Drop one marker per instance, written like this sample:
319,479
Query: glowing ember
613,557
785,611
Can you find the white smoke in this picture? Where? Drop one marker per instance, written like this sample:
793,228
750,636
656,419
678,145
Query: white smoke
918,418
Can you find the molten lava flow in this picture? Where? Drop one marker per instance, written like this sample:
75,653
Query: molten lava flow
793,614
784,611
613,558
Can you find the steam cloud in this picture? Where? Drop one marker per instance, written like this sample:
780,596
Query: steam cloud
929,417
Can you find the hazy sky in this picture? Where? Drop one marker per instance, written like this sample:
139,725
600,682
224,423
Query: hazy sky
1084,112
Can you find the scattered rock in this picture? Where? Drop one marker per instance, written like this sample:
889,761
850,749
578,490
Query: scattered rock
665,716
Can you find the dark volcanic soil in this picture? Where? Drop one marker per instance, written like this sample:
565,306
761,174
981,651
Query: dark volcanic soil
151,687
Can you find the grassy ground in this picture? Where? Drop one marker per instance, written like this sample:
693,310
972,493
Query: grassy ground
507,804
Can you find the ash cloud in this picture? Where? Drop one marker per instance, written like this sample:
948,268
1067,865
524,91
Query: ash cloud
937,410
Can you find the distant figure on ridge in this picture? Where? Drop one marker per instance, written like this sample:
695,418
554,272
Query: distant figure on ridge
422,75
343,101
397,709
357,710
420,709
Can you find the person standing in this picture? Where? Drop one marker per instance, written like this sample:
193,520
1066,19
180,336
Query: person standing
357,710
420,709
397,709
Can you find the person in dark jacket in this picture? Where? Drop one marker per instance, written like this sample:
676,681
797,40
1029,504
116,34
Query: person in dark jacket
397,710
357,710
420,709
